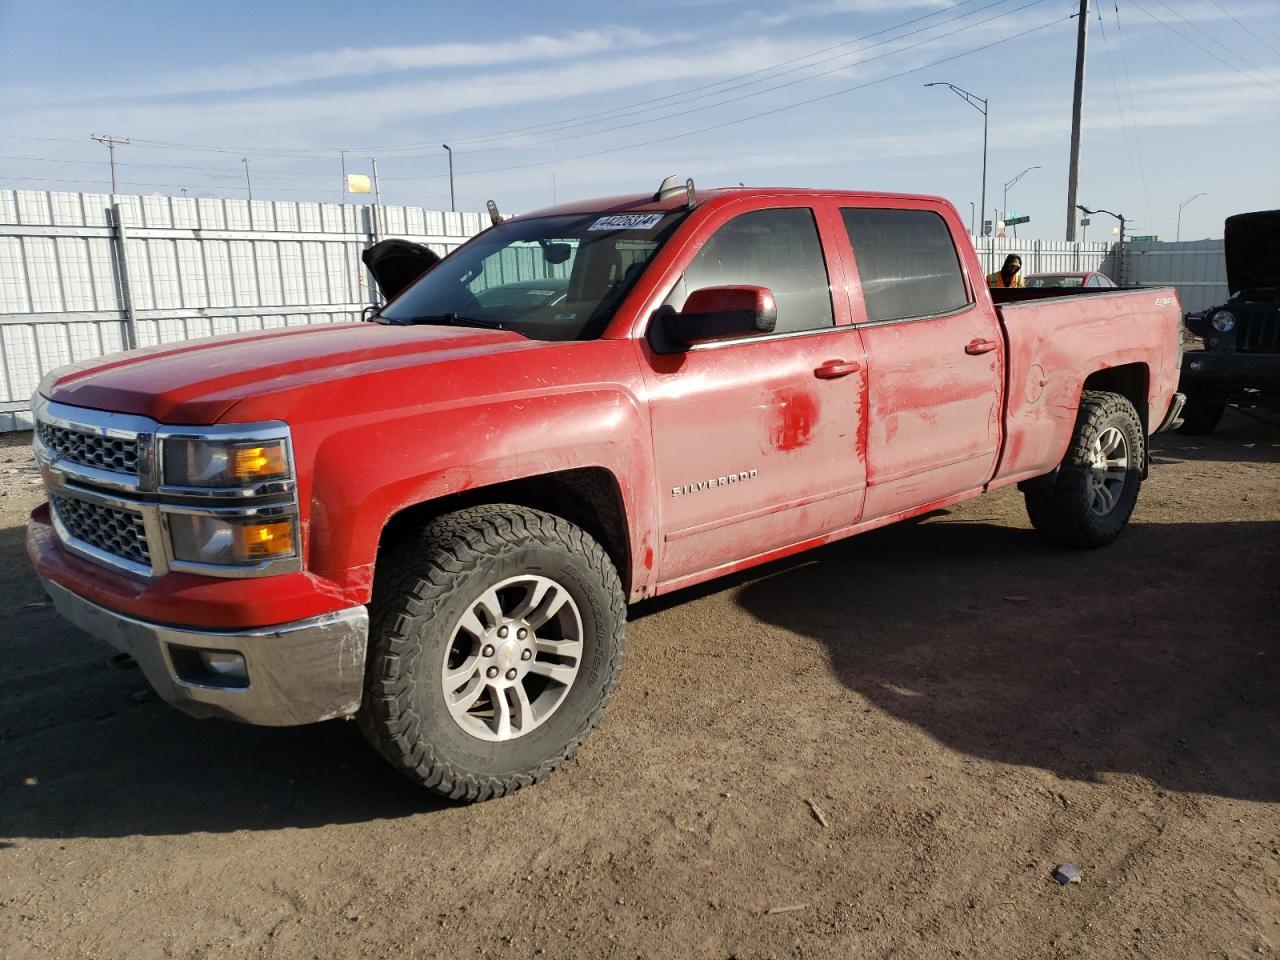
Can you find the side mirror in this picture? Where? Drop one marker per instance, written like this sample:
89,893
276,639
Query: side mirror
714,313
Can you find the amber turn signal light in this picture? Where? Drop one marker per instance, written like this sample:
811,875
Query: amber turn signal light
263,541
252,463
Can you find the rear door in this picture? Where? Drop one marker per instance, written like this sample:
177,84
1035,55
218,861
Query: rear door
756,438
935,356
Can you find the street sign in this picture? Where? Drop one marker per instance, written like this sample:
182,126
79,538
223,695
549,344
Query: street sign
1014,221
1146,239
986,228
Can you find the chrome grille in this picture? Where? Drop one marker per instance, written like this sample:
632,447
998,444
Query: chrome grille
118,532
90,450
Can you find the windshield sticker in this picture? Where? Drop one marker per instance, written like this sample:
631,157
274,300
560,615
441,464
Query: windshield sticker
627,221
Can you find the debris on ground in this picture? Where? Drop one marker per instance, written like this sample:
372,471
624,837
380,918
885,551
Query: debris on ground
817,813
790,908
1066,873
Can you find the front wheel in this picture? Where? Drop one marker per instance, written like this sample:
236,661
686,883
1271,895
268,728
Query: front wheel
1090,499
495,640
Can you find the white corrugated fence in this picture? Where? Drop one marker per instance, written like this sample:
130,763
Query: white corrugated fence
194,267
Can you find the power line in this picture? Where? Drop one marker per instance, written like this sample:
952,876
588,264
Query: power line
1133,112
825,73
1115,87
1227,63
651,104
780,109
681,113
1230,51
1239,23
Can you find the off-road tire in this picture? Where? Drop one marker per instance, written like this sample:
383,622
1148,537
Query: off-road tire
1202,411
421,587
1058,505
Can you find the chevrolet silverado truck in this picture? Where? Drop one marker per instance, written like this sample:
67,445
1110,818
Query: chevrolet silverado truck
1240,359
434,522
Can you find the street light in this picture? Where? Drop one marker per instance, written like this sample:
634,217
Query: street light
1178,236
1120,251
1004,206
973,100
452,205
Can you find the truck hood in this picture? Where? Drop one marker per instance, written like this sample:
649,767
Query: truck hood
197,381
1252,244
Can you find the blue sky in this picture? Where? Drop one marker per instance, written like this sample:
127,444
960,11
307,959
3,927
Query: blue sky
577,99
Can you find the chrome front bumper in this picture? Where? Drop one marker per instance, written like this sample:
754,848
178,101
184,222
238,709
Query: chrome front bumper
300,672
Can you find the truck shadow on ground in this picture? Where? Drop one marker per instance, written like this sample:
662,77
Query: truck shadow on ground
1240,438
1157,656
87,750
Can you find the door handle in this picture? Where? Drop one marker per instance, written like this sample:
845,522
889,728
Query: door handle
978,345
834,369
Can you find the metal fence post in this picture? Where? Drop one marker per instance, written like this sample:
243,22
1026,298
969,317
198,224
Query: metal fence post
122,261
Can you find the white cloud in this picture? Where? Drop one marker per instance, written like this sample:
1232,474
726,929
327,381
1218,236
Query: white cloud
289,71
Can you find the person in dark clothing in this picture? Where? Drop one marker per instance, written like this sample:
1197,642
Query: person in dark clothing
1010,275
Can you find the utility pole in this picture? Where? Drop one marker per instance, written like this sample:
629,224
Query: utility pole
111,144
973,100
1077,105
452,203
1178,236
971,233
247,183
342,194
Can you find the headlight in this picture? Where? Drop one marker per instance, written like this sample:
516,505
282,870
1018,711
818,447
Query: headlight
193,462
211,539
1224,321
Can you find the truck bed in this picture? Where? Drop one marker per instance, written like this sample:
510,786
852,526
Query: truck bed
1054,334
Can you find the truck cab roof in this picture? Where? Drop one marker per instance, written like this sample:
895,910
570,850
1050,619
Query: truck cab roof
633,203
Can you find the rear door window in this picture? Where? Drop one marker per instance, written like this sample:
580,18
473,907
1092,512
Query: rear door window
778,249
907,261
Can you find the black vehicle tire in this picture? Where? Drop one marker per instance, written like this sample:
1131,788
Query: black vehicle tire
1202,411
428,590
1082,505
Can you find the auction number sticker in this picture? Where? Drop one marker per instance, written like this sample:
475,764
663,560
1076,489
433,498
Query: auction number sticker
627,221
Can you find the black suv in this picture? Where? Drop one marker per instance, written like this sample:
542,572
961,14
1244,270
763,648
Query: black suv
1240,362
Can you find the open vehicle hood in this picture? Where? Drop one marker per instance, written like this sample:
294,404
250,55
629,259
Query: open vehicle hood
1252,244
397,263
196,382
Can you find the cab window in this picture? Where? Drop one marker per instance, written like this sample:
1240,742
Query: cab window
907,261
778,249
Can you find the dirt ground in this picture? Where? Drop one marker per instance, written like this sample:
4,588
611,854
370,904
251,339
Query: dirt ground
966,706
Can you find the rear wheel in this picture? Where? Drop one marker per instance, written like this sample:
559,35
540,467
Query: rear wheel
1088,502
495,640
1202,411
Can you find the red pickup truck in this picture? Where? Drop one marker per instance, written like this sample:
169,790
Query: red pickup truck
434,522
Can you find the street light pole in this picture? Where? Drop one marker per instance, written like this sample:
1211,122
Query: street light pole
973,100
248,184
1004,206
1178,235
1120,250
452,203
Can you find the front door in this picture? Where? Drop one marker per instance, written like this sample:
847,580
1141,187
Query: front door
756,439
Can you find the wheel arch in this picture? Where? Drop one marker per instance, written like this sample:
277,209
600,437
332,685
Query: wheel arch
1133,382
588,497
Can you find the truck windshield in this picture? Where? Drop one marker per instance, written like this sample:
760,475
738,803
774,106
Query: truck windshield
549,278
